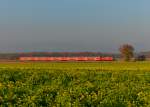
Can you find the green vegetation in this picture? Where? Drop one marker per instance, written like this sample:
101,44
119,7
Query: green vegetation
103,84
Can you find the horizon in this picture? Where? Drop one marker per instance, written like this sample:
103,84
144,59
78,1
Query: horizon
74,25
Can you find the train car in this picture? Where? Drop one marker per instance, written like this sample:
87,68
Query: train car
80,58
107,58
64,58
90,58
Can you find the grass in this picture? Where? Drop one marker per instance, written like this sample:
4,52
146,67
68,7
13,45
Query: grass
83,84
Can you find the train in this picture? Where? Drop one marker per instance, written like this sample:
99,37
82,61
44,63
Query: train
66,58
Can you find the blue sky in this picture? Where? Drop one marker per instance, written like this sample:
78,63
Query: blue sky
73,25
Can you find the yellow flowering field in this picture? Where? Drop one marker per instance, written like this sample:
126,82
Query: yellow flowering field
75,84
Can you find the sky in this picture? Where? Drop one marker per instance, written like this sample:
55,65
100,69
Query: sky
74,25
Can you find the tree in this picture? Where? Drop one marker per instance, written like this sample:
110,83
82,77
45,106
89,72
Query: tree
127,51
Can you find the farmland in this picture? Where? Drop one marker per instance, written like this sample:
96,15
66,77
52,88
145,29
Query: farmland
75,84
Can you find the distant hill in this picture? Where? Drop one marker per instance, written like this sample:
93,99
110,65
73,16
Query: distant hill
15,56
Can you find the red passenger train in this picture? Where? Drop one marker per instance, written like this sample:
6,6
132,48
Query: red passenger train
66,59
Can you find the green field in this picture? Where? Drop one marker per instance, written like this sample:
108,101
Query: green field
82,84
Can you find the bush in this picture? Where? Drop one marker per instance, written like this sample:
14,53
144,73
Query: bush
140,58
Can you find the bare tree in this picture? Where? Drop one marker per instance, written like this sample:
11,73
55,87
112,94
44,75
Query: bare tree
127,51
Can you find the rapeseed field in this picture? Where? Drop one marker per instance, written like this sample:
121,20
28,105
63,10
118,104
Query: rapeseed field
75,84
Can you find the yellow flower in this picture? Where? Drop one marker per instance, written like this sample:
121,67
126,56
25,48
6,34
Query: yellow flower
10,85
1,85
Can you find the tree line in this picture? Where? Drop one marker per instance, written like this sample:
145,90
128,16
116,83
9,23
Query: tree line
126,53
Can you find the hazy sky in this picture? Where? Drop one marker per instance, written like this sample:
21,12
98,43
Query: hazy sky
73,25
